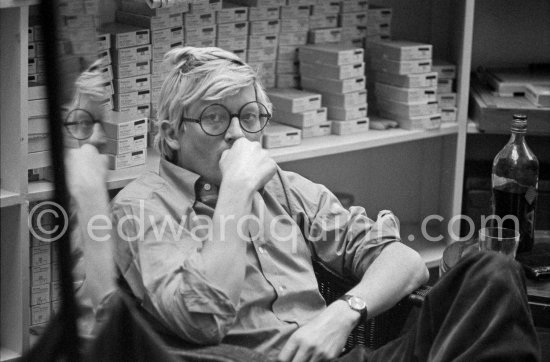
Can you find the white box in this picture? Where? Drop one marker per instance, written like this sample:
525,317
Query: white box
151,22
400,50
408,80
126,70
197,20
330,35
278,135
36,49
142,110
301,119
444,69
354,6
41,255
131,99
104,57
142,8
322,21
132,84
263,40
203,6
125,36
38,142
538,94
40,294
295,11
444,85
231,13
264,27
262,55
40,314
331,54
107,72
317,130
240,42
331,71
121,125
200,33
324,7
125,160
294,25
378,29
294,100
344,100
167,36
39,159
335,86
204,43
159,50
36,79
37,92
230,30
38,125
446,100
287,52
268,12
125,145
41,275
432,121
353,19
288,66
348,113
354,34
260,3
287,80
407,110
405,95
299,38
132,55
448,114
350,127
379,14
401,67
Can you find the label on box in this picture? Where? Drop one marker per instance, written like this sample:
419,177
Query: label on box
448,114
203,6
41,275
232,14
119,125
201,33
301,119
408,80
446,100
56,291
348,113
40,256
132,69
124,100
277,135
337,86
345,99
159,50
401,67
322,21
132,55
445,70
230,30
322,129
194,20
167,36
142,110
350,127
125,145
294,25
40,294
268,12
353,19
379,14
103,42
331,35
124,36
352,6
444,85
264,27
407,110
294,100
132,84
406,95
299,38
400,50
40,314
125,160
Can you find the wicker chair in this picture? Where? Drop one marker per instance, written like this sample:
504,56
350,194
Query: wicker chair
379,330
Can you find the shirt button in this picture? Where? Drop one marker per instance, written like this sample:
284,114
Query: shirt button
261,250
207,187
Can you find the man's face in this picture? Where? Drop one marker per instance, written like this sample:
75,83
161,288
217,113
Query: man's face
97,136
200,152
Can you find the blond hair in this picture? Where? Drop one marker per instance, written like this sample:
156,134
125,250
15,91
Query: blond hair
199,74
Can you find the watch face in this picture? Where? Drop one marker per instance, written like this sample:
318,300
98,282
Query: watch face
357,303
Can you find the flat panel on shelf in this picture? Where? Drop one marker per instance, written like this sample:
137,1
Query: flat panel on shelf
8,198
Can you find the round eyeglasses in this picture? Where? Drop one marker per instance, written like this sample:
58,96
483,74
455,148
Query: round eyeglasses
216,118
80,123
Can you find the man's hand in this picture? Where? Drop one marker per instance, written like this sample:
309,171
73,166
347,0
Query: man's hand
246,164
86,170
322,338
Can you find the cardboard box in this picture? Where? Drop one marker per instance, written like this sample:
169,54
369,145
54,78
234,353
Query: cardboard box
322,21
38,142
287,52
104,58
260,3
204,43
331,54
41,255
345,100
40,294
37,92
428,122
153,22
354,6
201,33
444,69
231,13
408,80
301,119
401,67
40,314
378,29
379,14
277,135
268,12
125,145
294,100
325,7
142,8
203,6
400,50
353,19
140,53
538,94
317,130
295,11
125,36
354,34
405,95
126,70
197,20
320,36
132,84
41,275
142,110
288,66
167,36
444,85
448,114
263,67
131,159
131,99
332,71
407,110
107,72
335,86
231,30
262,55
350,127
264,27
159,50
241,53
119,125
513,82
39,125
294,25
240,42
446,100
287,80
348,113
36,79
263,40
36,49
299,38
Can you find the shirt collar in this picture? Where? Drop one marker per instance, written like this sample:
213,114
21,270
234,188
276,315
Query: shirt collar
180,178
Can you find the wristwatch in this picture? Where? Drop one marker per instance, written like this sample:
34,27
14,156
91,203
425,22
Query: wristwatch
357,304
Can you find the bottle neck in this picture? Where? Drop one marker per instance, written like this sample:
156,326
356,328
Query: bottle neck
518,129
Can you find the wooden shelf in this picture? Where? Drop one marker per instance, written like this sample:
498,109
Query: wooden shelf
329,145
8,198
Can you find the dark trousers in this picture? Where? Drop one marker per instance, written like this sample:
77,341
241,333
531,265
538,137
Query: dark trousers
478,311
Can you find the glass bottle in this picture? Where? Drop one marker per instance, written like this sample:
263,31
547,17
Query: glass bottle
514,184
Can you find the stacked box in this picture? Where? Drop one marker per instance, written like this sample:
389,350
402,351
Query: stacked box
353,20
39,154
166,29
126,142
301,110
399,69
338,71
446,97
378,23
232,27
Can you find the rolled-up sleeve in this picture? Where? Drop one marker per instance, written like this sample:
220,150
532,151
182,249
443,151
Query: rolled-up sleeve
347,241
168,257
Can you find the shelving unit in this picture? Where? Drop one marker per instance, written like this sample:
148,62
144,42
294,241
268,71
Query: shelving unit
413,173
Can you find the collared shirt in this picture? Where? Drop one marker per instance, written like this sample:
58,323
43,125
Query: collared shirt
162,223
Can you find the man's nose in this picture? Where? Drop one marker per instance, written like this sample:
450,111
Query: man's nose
98,137
234,132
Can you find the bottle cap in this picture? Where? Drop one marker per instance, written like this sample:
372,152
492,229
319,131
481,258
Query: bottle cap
519,123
